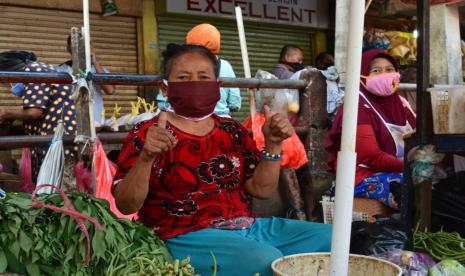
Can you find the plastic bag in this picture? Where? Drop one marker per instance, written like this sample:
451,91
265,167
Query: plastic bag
412,263
105,170
294,152
377,238
447,268
282,101
83,177
25,168
424,164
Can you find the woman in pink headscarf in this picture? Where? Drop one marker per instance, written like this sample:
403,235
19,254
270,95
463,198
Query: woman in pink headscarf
383,121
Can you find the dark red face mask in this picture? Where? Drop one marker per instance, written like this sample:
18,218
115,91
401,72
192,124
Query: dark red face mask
193,100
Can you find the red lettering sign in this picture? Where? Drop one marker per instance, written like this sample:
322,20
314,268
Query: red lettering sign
251,11
310,15
210,6
296,17
221,6
282,12
265,13
190,5
243,6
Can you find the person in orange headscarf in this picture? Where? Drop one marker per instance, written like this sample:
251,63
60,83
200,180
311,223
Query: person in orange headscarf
208,36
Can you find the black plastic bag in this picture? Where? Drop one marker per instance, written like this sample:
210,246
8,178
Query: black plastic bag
376,238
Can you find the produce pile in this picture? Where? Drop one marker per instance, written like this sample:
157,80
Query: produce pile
440,245
140,111
40,241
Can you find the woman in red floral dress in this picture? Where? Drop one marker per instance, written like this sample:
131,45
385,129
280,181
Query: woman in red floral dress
190,175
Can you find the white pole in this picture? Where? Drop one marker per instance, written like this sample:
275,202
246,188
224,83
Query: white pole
86,32
342,32
245,58
345,176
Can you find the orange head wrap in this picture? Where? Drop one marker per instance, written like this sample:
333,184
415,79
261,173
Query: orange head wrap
205,35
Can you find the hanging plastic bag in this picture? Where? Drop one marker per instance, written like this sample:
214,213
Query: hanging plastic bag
51,170
105,170
424,164
25,170
294,152
83,177
282,101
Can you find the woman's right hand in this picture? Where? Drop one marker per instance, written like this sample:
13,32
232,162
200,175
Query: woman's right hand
158,139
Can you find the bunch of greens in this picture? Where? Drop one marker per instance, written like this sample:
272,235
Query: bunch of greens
39,241
440,245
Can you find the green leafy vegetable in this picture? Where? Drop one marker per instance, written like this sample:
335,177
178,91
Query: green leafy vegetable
39,241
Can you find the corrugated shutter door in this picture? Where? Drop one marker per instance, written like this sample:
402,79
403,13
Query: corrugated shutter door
45,32
264,45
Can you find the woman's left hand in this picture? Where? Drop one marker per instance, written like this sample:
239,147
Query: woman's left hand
277,127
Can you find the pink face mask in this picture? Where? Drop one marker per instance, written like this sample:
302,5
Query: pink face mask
382,85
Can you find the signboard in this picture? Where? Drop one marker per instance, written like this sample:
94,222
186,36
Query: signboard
308,13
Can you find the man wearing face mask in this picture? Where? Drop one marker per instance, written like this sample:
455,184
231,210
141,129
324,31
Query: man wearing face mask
290,61
383,121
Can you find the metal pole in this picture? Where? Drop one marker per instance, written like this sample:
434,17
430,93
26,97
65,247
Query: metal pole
347,157
143,80
34,77
423,69
12,142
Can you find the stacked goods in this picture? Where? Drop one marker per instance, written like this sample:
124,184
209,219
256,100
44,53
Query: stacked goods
403,46
116,122
400,45
48,236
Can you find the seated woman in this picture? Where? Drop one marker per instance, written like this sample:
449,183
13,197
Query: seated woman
190,175
383,120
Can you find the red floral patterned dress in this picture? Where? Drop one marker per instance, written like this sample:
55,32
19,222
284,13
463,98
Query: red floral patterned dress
200,182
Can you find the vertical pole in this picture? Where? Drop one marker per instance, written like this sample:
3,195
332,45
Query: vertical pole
245,59
423,69
345,176
342,32
86,34
83,106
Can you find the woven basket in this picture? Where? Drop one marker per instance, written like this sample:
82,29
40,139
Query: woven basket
318,264
371,207
364,209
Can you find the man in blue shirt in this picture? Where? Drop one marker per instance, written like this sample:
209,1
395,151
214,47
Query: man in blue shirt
96,89
208,36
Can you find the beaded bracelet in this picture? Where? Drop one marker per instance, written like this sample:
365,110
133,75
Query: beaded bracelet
271,157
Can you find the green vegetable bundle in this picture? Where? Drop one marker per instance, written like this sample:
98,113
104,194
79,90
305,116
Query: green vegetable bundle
39,241
440,245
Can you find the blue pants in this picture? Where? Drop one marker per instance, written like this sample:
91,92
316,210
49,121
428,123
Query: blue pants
378,186
249,251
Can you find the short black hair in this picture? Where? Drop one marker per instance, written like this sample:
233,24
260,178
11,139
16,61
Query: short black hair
321,56
15,60
287,49
174,51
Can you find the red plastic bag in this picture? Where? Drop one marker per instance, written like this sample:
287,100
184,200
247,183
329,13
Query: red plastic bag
294,151
83,177
25,170
105,170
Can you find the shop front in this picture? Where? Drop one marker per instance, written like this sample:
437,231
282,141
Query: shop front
269,25
43,27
